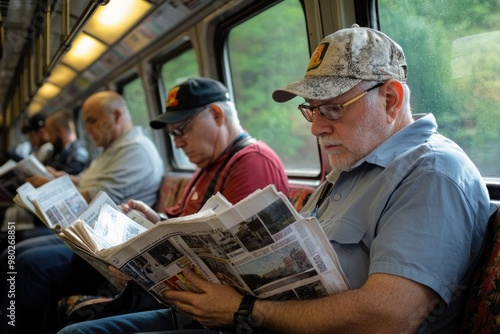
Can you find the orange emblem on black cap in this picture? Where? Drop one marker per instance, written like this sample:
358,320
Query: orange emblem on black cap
172,97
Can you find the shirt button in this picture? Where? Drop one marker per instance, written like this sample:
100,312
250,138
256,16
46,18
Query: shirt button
337,196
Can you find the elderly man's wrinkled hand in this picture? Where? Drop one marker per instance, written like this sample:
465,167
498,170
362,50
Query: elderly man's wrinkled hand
56,173
213,306
142,208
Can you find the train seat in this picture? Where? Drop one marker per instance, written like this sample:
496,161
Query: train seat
173,186
299,194
481,311
171,189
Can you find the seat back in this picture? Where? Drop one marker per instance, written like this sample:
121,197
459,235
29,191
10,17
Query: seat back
172,187
481,311
299,195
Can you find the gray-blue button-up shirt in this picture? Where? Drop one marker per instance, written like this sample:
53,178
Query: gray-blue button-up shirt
415,207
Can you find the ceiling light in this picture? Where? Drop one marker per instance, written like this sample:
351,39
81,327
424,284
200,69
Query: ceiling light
34,108
62,75
111,21
48,91
85,51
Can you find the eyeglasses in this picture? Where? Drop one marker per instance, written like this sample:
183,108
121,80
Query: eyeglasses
179,131
331,112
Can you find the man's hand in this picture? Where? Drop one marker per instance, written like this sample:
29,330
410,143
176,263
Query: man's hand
54,172
142,208
37,181
213,307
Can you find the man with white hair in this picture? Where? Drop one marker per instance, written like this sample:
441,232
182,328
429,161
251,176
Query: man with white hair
204,123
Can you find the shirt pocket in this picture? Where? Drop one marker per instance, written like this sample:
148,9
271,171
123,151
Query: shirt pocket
346,232
347,238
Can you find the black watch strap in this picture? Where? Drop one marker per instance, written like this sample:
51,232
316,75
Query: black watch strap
243,318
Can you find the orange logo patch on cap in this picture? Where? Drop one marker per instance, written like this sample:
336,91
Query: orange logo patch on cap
172,97
317,56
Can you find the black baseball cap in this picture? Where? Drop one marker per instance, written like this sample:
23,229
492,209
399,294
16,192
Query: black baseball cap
184,100
36,122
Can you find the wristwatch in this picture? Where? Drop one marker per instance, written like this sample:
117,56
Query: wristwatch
243,318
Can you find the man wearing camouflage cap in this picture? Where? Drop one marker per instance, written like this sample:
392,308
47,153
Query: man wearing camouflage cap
404,208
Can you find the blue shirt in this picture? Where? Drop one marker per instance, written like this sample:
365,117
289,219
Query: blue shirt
72,159
415,207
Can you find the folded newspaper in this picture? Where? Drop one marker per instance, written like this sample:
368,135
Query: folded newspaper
260,246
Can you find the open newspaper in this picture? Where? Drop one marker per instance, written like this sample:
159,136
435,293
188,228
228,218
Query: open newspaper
260,246
58,203
13,174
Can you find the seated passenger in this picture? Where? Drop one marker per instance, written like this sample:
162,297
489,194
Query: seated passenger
37,144
109,124
129,167
209,132
55,144
36,130
406,210
204,123
70,155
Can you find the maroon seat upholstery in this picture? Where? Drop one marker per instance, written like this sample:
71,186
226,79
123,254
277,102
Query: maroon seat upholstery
171,189
481,311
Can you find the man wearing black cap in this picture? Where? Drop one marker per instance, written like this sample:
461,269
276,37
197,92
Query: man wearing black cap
38,137
404,208
203,122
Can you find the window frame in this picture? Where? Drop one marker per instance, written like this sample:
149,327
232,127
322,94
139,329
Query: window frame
220,37
160,95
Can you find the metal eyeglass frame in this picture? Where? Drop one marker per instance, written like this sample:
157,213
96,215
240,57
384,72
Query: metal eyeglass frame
332,112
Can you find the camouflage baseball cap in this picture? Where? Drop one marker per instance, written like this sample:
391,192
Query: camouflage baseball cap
344,59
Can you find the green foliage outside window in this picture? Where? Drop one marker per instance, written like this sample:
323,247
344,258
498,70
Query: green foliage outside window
178,69
452,50
267,52
173,72
136,102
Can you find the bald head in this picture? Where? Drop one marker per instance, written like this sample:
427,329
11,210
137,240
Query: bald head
106,117
107,101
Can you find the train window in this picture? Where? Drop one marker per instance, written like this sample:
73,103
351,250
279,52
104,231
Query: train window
133,93
266,52
174,71
179,68
452,50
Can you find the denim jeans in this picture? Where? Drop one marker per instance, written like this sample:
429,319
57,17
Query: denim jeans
159,321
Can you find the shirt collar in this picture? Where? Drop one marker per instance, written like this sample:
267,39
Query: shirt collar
412,135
